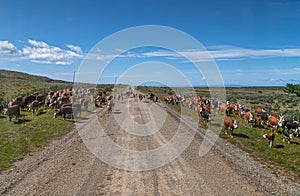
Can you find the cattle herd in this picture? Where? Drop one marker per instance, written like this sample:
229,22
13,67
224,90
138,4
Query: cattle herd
64,102
72,103
259,118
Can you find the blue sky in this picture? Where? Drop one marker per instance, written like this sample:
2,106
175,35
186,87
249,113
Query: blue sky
252,42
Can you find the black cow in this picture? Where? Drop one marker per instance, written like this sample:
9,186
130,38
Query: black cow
64,111
264,116
287,135
206,115
12,111
291,125
34,106
1,108
28,99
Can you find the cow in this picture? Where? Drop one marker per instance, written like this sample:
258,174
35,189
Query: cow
230,124
274,122
241,113
63,111
173,99
276,115
11,111
19,100
230,109
27,100
188,103
41,99
291,125
1,108
264,116
270,137
141,96
258,122
99,101
34,106
201,108
206,116
166,99
222,108
64,100
152,97
248,117
258,111
287,135
109,106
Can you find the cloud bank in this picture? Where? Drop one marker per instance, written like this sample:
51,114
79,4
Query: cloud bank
219,53
43,53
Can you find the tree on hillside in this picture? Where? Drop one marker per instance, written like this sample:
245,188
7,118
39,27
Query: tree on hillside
292,88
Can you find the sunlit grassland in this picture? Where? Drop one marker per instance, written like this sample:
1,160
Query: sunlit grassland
282,156
28,134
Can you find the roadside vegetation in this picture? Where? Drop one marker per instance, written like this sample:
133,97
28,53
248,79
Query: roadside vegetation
282,156
30,133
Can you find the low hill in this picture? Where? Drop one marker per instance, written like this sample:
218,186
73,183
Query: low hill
14,83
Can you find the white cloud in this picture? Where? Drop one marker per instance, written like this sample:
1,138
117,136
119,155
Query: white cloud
38,44
218,53
75,48
8,48
41,52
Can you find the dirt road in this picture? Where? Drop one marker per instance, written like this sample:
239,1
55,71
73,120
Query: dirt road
67,167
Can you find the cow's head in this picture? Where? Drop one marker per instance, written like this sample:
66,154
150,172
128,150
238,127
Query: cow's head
235,107
280,121
235,124
57,113
209,117
200,109
5,111
30,107
251,117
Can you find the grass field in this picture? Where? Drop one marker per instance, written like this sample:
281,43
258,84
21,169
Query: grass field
28,134
283,156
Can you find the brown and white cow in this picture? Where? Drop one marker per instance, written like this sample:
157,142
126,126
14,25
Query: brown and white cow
222,108
275,122
248,117
241,113
141,96
166,99
230,124
270,137
258,111
258,122
231,108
